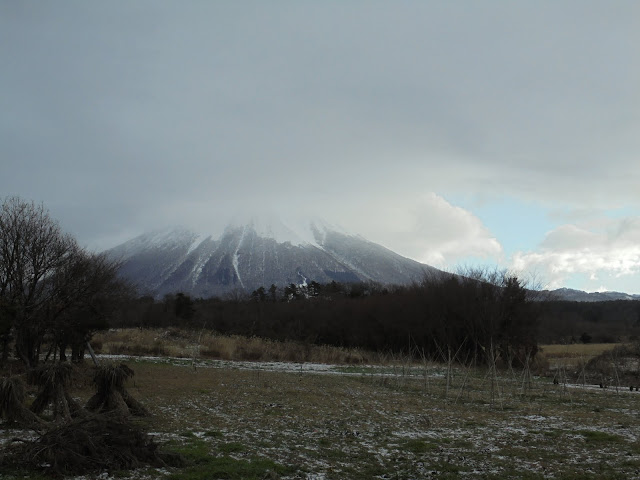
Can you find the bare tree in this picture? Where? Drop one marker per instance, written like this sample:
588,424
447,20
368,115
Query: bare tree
32,249
87,291
506,314
48,284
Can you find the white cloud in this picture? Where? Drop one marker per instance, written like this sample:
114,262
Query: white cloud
431,230
605,249
569,237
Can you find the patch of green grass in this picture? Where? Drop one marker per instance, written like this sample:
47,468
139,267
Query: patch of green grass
446,469
231,447
553,433
231,469
203,464
530,453
418,446
196,451
334,454
634,448
367,465
580,474
594,436
474,423
631,463
324,442
455,442
462,443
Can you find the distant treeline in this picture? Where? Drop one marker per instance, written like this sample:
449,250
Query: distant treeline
589,322
465,316
455,316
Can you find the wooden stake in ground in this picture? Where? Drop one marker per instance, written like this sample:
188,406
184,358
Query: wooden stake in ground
111,396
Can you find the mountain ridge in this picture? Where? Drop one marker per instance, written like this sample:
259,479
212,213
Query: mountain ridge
572,295
249,255
260,251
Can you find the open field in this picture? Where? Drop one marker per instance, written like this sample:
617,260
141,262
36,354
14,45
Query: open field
307,421
572,355
174,342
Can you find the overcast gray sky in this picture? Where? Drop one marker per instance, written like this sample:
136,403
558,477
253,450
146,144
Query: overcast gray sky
452,132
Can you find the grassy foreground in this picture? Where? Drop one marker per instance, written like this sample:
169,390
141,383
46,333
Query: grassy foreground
252,421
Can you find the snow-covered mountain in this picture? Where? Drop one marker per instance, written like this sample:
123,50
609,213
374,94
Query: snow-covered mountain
258,252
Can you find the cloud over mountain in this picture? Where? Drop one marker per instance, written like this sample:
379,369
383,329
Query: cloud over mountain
430,229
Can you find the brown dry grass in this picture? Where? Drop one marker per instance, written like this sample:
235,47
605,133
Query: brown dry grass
173,342
572,355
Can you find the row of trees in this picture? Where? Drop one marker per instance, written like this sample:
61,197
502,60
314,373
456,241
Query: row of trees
50,288
474,316
314,289
587,322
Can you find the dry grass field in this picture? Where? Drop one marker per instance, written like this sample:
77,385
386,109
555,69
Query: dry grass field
174,342
257,420
573,354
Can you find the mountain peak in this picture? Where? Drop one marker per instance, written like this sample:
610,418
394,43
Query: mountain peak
297,231
255,251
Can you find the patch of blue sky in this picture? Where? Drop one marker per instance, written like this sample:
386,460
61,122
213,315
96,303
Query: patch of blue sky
517,225
581,281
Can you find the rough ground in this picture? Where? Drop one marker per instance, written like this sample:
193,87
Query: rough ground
260,420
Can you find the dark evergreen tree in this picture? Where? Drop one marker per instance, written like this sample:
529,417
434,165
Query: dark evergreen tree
183,306
273,292
259,295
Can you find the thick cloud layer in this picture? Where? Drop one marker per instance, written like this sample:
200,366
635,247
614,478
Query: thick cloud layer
127,116
603,253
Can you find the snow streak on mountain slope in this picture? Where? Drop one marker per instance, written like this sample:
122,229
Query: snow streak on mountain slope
258,253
